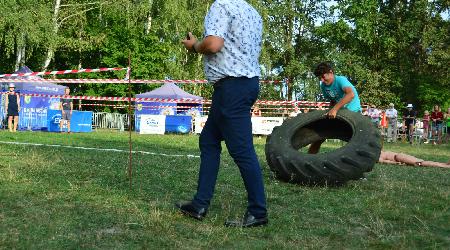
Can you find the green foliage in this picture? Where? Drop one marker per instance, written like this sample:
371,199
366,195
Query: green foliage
393,51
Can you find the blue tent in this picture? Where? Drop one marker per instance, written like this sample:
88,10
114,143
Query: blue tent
168,91
33,87
33,113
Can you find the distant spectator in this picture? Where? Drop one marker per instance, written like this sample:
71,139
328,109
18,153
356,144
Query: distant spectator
374,115
364,111
295,112
12,106
426,124
256,111
447,127
409,120
437,118
391,115
66,106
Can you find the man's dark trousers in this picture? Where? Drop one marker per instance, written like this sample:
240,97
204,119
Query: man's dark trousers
230,120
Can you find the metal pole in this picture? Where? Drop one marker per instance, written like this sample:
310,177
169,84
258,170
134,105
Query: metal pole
130,167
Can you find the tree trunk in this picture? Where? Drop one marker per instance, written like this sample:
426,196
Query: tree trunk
51,48
148,24
20,56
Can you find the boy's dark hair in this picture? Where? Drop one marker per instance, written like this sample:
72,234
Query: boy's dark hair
322,68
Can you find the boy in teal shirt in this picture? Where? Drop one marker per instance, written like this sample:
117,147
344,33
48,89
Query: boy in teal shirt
339,91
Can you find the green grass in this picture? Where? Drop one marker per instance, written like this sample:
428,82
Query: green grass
58,198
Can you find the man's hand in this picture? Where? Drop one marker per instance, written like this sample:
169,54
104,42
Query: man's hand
332,113
189,43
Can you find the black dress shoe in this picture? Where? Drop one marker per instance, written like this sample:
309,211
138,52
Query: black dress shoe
248,221
187,208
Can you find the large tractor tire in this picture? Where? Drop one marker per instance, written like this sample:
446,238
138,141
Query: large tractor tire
349,162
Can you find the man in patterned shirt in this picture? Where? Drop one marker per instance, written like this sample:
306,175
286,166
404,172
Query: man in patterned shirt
231,47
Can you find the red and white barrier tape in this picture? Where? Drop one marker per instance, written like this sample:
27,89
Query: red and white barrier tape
62,72
140,106
106,105
105,81
119,99
289,103
117,81
173,100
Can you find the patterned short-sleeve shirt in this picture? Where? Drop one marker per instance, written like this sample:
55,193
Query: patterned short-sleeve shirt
240,25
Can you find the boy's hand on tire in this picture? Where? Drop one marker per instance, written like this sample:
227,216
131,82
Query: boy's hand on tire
332,113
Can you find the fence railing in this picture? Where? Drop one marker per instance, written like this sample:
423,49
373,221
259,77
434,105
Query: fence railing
103,120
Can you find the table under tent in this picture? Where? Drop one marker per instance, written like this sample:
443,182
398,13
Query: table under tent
178,113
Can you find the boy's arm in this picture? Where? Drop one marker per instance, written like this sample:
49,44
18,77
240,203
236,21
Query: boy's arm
348,97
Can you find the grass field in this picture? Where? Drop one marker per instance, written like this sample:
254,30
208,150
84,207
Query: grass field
59,198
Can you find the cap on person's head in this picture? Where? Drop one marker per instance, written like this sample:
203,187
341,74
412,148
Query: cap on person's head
391,105
11,85
409,106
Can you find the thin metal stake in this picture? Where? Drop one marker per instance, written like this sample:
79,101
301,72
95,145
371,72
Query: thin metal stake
130,166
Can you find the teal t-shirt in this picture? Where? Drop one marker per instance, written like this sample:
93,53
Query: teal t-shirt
335,92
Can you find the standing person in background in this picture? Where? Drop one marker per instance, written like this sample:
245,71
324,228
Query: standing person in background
12,107
295,112
383,122
256,111
409,120
231,47
374,115
447,127
437,118
365,111
391,115
66,106
339,91
426,125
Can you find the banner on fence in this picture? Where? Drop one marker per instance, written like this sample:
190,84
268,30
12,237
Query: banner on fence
81,121
178,123
152,124
199,124
260,125
265,125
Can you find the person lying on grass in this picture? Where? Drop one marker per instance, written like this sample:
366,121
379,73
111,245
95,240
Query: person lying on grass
388,157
